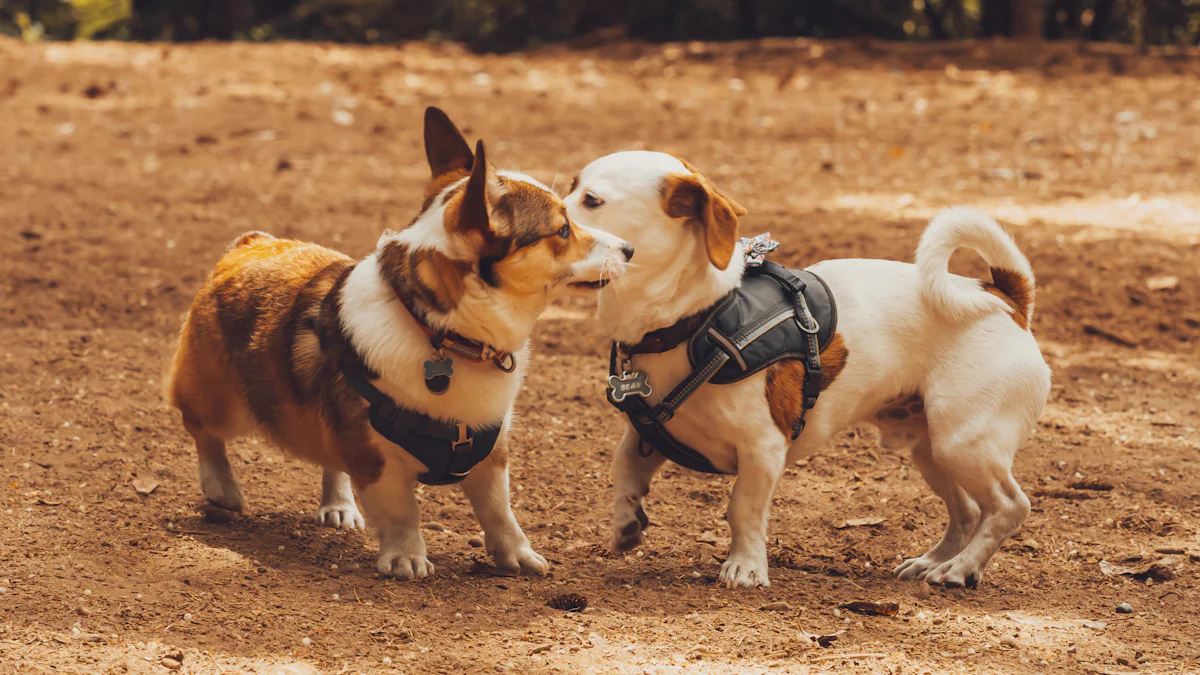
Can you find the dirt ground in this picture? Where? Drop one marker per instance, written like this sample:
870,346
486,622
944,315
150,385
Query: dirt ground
127,169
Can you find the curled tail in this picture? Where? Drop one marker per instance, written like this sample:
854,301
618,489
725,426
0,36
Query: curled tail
958,299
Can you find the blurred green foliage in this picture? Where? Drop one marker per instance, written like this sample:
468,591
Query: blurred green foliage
500,25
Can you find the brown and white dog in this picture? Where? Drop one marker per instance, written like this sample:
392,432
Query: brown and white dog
942,364
261,346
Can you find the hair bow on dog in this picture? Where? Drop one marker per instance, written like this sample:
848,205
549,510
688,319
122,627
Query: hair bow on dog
756,248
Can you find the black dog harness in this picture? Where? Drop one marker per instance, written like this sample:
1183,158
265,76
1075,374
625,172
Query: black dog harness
449,450
775,315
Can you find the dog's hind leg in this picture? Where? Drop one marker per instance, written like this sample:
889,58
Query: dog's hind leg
963,512
216,475
631,476
979,456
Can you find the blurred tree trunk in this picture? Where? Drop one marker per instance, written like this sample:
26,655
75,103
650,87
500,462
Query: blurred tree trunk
1101,20
1028,19
996,18
747,19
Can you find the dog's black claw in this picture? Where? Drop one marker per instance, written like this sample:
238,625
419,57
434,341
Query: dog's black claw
972,581
642,518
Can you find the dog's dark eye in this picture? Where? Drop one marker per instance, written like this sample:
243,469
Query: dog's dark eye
565,231
591,201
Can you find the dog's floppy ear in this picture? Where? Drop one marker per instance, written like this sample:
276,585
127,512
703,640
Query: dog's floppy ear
445,147
693,196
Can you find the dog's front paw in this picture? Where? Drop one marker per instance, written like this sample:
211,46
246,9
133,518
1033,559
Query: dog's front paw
519,558
409,566
914,568
955,573
737,572
627,534
626,537
344,516
224,493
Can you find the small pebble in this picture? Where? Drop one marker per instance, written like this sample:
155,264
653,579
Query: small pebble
83,611
779,606
1124,608
432,526
333,566
187,616
475,542
170,663
1072,649
87,591
696,575
306,642
387,660
336,596
280,548
1009,642
971,651
1142,658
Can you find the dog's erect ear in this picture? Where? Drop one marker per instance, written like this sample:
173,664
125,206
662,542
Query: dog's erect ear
473,217
445,147
693,196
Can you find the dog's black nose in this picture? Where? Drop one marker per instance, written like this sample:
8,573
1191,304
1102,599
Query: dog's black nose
628,251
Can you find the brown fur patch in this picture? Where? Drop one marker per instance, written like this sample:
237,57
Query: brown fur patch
785,383
427,276
263,339
695,197
1016,290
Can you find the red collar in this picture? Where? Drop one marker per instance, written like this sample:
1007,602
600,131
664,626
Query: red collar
471,350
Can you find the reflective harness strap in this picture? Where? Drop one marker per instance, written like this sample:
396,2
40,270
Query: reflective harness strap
448,450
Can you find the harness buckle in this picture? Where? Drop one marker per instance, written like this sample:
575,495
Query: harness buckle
463,439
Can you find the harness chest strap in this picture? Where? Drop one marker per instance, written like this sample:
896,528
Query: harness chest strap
648,421
448,450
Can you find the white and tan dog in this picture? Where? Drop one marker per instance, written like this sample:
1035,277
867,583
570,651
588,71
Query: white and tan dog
263,345
943,364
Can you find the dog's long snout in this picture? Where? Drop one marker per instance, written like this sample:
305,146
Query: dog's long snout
628,251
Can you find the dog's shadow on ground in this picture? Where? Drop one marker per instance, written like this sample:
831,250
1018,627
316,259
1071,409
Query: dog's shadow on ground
305,554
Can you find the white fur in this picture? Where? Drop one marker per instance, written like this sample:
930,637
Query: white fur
980,377
956,298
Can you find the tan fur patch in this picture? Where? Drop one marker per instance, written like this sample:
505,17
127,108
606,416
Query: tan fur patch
785,383
262,343
426,276
694,196
1016,290
530,219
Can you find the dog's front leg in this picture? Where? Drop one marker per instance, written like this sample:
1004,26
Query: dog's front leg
487,489
392,509
631,476
759,469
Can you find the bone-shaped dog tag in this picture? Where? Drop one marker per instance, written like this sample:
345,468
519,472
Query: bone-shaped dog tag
437,374
629,384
